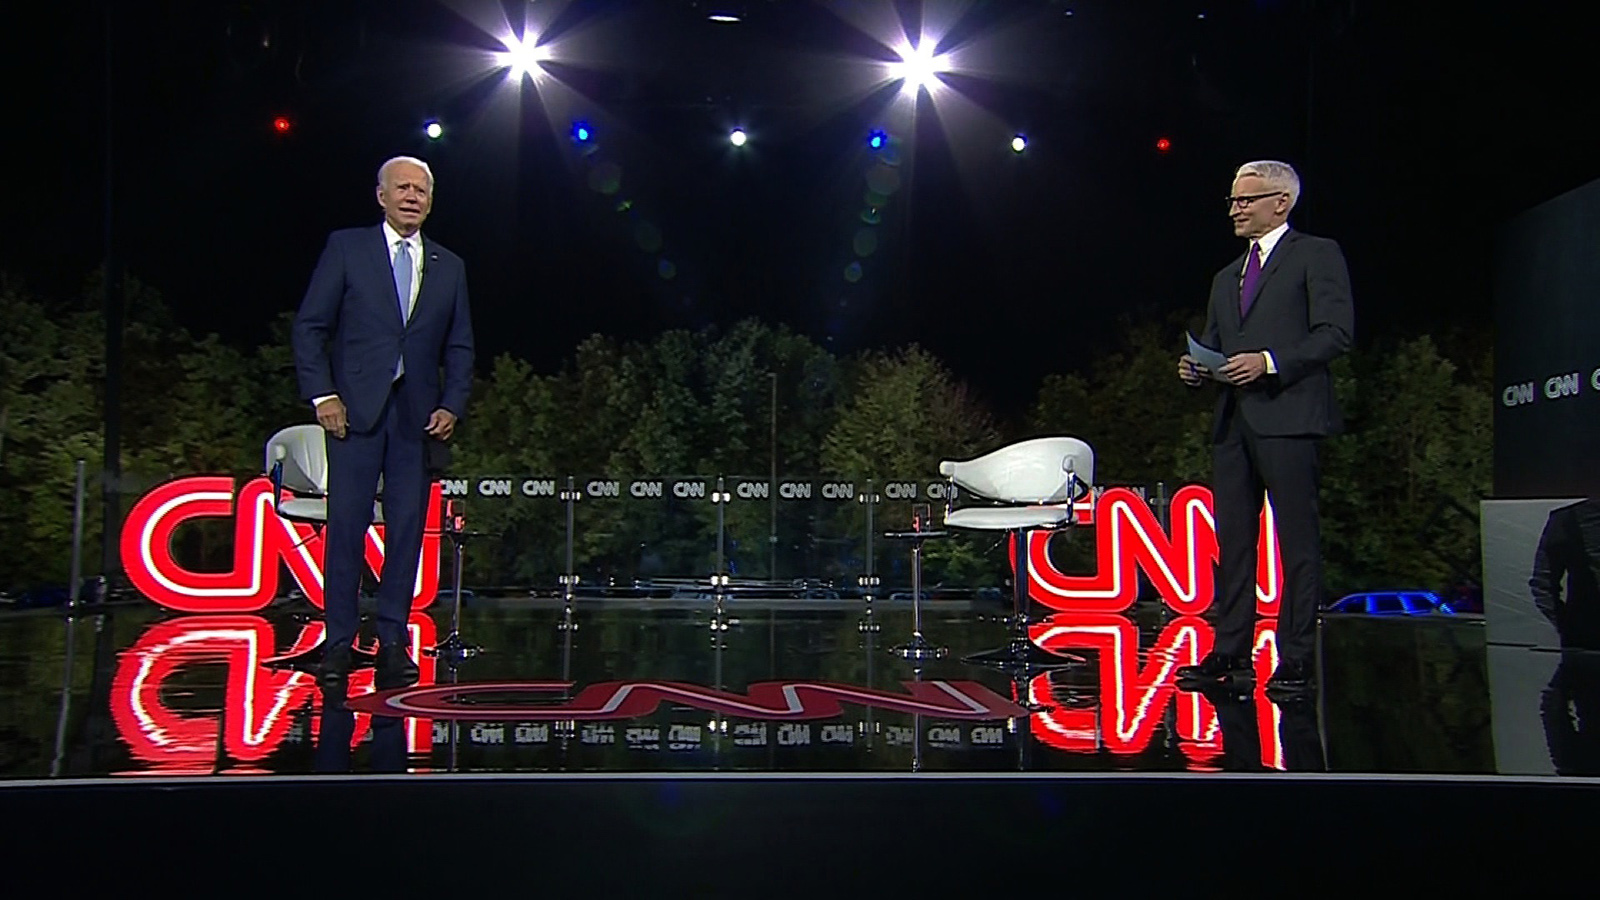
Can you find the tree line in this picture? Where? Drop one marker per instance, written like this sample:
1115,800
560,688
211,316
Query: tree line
1399,497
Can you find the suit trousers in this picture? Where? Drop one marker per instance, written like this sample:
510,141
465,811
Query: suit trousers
394,450
1246,467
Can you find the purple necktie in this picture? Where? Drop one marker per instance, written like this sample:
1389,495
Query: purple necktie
1252,274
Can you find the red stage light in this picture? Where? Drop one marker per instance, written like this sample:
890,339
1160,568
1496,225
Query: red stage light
281,125
1163,145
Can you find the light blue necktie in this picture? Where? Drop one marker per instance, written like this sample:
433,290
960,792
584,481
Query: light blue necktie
402,289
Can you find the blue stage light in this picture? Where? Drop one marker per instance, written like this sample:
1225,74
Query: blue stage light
877,139
581,133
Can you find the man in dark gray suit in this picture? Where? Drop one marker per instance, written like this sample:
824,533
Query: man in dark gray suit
1280,313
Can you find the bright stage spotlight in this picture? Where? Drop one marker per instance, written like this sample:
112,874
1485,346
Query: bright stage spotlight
1019,144
523,57
433,129
737,137
281,124
918,66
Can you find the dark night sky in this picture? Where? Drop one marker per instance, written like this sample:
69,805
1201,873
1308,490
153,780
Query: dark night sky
1416,134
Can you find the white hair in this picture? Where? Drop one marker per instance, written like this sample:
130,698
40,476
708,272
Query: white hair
1279,176
383,170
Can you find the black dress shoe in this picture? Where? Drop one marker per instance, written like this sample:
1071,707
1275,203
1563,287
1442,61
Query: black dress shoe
1293,679
1217,670
395,668
334,673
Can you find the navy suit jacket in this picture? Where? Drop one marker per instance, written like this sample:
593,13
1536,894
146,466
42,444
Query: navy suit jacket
349,335
1304,316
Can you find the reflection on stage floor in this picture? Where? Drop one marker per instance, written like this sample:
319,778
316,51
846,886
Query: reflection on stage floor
785,686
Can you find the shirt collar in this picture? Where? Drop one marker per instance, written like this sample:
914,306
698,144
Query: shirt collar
1270,240
390,237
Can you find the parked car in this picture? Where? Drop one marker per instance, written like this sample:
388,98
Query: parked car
1393,603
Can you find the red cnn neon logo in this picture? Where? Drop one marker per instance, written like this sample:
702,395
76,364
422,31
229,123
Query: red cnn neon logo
262,541
1134,701
259,701
1129,539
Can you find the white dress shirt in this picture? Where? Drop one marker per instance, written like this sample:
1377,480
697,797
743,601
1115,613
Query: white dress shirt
414,246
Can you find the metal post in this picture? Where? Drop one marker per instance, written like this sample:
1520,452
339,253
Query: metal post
722,531
111,450
719,578
76,575
66,692
872,581
869,581
772,487
721,521
572,575
455,613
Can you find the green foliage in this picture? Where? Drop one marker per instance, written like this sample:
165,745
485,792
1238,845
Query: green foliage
906,413
1144,424
1399,498
1401,488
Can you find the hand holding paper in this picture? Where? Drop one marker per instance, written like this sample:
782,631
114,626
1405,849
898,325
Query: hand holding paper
1211,360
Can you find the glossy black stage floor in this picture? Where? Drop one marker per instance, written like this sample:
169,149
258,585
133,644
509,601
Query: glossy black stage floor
786,721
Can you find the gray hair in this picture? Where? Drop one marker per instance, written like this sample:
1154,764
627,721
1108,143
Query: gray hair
1279,176
383,170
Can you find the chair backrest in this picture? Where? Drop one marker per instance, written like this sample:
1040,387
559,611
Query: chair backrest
303,451
1038,470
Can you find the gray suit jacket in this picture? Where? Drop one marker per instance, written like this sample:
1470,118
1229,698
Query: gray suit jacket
1303,315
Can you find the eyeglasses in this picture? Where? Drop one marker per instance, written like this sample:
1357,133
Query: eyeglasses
1244,200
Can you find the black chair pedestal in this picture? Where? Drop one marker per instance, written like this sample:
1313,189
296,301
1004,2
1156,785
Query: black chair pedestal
1020,653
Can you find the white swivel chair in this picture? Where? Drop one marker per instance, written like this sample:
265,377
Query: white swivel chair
1030,485
297,461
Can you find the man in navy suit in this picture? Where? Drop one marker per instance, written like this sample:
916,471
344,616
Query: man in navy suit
386,310
1280,314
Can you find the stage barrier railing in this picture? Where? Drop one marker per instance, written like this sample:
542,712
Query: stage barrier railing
811,537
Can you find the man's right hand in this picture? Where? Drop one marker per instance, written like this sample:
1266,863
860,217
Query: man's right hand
1190,371
330,414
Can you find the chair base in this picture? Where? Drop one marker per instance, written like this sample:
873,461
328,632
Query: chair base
1023,654
919,648
1017,623
452,651
1020,677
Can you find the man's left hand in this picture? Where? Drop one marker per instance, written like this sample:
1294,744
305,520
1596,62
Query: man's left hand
1243,368
441,424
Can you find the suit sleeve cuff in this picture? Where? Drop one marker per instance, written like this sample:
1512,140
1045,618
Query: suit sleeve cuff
318,401
1272,364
